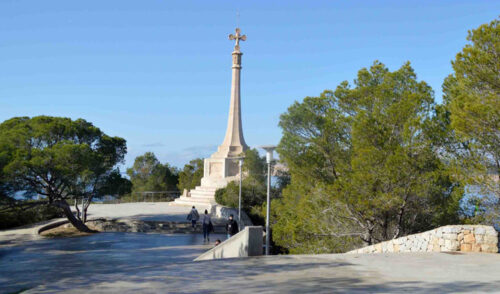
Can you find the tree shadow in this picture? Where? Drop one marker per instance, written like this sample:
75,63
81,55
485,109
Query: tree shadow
49,260
155,263
258,275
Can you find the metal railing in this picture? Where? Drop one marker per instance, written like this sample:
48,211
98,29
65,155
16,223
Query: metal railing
147,196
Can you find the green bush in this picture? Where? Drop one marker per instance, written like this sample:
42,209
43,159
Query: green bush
251,195
191,175
17,216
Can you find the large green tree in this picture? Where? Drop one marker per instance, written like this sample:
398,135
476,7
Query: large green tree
363,165
60,160
253,188
472,99
191,175
149,174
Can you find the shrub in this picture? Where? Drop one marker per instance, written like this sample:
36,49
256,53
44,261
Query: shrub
17,216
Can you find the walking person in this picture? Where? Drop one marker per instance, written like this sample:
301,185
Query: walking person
207,226
231,227
193,216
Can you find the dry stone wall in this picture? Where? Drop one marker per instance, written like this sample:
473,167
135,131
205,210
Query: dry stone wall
463,238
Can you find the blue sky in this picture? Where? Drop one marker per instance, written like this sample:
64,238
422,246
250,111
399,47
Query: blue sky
157,73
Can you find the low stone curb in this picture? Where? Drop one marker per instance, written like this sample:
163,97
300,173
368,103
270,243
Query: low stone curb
126,225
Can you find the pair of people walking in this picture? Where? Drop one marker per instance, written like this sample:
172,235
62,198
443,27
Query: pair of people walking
206,222
231,227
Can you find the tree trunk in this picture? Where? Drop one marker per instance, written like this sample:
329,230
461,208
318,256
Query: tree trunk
77,210
78,224
368,234
84,213
85,207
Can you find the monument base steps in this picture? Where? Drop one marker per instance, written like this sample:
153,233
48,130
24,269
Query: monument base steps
200,195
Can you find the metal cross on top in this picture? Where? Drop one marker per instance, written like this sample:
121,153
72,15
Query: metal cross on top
237,37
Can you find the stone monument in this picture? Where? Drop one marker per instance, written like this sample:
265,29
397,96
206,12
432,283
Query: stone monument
222,166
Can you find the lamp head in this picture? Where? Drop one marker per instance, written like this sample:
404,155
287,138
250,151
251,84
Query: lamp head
269,152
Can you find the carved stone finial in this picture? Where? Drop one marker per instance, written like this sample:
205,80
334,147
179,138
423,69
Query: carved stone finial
237,37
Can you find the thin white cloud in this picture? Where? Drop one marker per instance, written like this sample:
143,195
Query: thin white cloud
154,144
175,158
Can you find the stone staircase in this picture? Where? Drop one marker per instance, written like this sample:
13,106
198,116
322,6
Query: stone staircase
200,195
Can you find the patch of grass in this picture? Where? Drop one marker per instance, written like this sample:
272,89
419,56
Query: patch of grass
64,232
19,291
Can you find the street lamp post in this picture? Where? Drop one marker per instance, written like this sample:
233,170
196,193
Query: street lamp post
239,194
269,158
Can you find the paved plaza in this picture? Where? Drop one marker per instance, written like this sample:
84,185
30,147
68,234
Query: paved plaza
377,273
162,263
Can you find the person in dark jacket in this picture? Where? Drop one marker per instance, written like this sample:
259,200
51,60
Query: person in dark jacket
207,226
193,216
231,227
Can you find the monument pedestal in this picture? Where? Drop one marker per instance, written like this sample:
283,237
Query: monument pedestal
223,166
218,172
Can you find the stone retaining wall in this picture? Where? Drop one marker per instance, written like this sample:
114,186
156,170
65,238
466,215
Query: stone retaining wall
247,242
463,238
140,226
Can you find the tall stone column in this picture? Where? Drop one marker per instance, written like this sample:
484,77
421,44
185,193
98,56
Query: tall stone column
234,143
222,166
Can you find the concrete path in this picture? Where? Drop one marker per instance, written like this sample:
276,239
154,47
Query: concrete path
377,273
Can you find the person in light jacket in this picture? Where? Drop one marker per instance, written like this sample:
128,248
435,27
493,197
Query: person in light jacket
193,216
